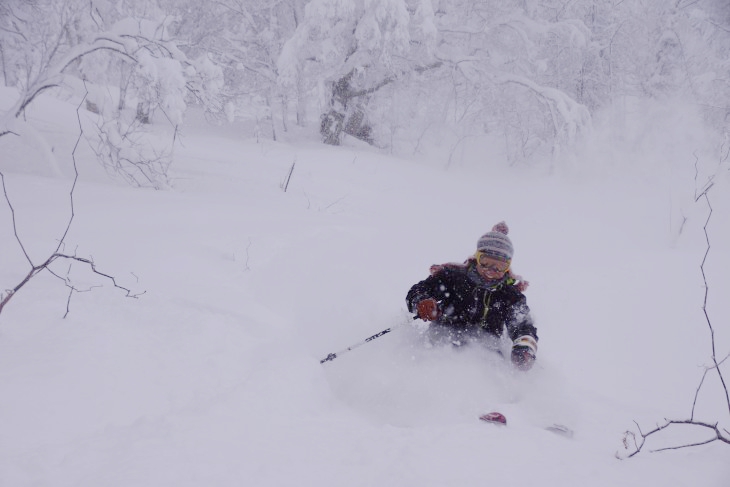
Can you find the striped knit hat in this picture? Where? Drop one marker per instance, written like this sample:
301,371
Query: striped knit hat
496,243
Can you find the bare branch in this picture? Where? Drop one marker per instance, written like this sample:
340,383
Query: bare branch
707,289
91,264
697,393
45,266
76,169
12,214
36,269
628,435
637,446
704,194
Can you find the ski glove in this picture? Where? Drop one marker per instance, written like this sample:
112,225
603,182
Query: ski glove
428,309
523,352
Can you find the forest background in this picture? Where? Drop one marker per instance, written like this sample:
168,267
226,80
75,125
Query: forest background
525,81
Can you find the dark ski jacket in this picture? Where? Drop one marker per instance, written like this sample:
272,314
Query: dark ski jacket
467,300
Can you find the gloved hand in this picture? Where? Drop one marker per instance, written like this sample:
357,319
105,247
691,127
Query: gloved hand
428,309
523,352
523,357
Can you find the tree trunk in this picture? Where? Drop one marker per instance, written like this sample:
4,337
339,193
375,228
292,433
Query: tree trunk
301,103
124,78
2,60
143,112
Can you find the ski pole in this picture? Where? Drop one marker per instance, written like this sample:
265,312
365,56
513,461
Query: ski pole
333,356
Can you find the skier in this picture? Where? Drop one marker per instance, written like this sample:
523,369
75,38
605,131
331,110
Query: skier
477,300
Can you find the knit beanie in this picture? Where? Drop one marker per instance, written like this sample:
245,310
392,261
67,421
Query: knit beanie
496,243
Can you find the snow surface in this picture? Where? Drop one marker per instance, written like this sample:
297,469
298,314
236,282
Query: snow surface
212,377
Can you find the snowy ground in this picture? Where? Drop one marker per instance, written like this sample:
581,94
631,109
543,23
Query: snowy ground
212,377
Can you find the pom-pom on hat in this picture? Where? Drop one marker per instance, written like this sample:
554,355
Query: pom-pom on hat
496,243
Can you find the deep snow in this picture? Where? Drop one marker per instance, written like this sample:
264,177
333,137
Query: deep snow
212,376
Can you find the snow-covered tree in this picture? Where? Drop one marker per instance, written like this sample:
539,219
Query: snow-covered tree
395,73
478,67
345,51
108,45
241,40
664,50
514,73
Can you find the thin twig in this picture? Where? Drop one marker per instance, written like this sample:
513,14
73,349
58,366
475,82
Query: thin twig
697,393
704,304
57,254
76,170
288,178
637,446
248,247
12,215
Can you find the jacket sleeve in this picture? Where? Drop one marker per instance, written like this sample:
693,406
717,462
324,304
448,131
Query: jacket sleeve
519,322
420,291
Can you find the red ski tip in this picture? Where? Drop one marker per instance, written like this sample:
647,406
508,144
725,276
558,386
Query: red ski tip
494,417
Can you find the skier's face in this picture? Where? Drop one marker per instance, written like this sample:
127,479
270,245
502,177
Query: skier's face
491,268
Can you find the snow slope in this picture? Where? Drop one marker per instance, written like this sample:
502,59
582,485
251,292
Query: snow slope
212,376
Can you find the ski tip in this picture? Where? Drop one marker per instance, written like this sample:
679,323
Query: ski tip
494,417
560,429
498,418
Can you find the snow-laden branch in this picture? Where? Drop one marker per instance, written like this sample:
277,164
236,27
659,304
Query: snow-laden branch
52,76
576,116
124,39
577,32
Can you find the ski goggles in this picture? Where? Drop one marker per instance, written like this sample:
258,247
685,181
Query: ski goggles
490,264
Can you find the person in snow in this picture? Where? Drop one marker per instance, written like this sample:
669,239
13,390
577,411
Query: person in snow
479,299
